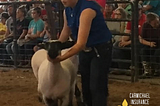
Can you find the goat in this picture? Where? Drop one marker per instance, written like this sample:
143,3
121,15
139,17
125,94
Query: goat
55,81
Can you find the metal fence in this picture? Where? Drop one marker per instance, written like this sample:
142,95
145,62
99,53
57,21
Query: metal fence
133,70
135,67
25,53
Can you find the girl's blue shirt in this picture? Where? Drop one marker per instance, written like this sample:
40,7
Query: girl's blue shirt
99,32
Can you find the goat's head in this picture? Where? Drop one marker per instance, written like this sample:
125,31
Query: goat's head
54,47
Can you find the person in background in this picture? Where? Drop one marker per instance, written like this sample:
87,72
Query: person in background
3,8
126,39
108,11
9,23
22,28
8,36
101,3
140,2
29,13
45,34
127,8
3,27
150,40
36,26
151,6
121,53
120,14
33,37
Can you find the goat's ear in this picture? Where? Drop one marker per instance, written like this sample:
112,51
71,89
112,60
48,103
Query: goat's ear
43,45
67,44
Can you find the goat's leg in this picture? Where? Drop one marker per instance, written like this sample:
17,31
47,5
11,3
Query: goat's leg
40,99
70,100
50,102
40,96
61,101
65,100
77,91
78,96
71,95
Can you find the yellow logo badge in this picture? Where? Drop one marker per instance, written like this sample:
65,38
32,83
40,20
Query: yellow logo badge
124,103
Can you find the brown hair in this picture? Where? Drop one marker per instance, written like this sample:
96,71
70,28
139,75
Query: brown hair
38,10
23,9
151,16
123,12
4,15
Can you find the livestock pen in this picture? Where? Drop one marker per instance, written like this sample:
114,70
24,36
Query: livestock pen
18,86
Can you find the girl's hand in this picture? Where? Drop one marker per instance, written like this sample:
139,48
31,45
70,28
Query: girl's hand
56,60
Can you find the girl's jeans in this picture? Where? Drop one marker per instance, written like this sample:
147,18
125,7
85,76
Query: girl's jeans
94,71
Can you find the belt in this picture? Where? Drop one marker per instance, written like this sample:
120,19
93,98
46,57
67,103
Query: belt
89,49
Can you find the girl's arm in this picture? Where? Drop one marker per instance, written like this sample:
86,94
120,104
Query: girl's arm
86,18
66,32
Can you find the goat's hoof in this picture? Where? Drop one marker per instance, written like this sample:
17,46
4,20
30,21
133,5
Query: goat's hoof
81,104
70,105
40,99
77,93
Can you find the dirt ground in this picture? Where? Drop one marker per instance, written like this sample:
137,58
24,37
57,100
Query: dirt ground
18,88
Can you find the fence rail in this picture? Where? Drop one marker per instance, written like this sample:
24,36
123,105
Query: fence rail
134,69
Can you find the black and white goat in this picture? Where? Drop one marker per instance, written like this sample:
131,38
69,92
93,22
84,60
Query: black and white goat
55,81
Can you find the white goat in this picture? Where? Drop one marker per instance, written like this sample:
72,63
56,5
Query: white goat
55,81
